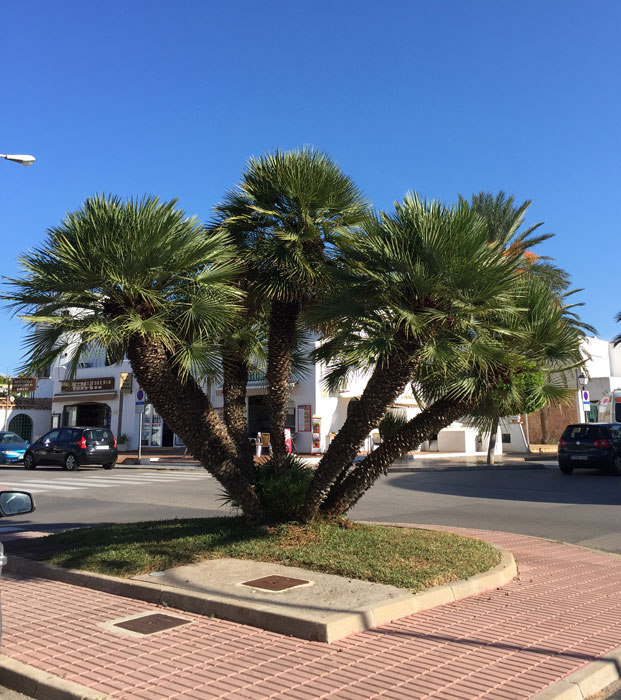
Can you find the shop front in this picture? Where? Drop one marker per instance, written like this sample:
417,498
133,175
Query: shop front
87,402
155,432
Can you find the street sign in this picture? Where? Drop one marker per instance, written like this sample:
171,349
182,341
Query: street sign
586,402
140,401
125,385
22,385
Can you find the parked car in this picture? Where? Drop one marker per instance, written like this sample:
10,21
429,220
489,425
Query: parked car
12,447
590,445
72,447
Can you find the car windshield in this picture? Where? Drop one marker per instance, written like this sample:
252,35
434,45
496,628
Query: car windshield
10,438
582,432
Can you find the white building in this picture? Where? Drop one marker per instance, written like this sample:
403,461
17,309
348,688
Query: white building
106,395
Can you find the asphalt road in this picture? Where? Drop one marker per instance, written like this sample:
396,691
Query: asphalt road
582,508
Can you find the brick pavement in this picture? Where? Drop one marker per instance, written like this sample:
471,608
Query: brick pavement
562,612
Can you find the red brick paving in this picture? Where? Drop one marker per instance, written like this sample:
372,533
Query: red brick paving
563,611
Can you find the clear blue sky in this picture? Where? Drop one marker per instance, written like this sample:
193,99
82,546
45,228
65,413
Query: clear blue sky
443,97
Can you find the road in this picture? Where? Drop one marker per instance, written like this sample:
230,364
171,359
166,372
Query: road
582,508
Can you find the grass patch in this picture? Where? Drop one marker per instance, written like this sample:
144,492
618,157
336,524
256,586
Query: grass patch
409,558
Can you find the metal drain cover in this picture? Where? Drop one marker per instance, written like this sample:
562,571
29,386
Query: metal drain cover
275,583
148,624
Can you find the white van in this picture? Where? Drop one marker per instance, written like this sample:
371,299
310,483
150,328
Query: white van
609,407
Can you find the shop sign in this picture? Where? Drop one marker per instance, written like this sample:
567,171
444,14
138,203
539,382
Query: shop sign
87,385
125,384
23,385
304,418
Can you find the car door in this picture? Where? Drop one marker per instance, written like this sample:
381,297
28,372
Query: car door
43,447
60,446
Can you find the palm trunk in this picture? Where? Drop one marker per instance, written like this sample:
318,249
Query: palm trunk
545,430
386,383
493,433
235,370
189,413
281,344
438,415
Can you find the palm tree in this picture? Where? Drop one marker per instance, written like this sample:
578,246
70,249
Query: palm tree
504,221
287,214
417,284
140,278
541,335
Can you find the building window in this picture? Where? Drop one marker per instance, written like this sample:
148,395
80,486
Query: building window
22,425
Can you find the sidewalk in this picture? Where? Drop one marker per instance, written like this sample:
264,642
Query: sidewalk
561,613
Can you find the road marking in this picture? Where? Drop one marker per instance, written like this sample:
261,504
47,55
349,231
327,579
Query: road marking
37,483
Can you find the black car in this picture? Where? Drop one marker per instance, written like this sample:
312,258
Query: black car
72,447
590,445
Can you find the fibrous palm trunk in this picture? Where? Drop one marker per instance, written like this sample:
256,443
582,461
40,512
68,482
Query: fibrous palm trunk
281,344
189,413
348,491
386,383
491,448
235,381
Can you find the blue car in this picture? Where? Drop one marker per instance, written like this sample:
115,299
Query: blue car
12,448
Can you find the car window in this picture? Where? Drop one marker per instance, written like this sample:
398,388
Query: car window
581,432
51,436
10,438
615,431
65,435
98,434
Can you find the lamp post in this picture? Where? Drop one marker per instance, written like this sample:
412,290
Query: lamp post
581,381
21,159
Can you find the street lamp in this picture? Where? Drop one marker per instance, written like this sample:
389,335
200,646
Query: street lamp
581,381
21,159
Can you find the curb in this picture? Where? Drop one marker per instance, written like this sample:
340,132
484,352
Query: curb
478,468
282,623
589,680
41,685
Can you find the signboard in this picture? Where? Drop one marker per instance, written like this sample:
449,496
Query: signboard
23,385
74,386
304,418
125,384
140,399
586,403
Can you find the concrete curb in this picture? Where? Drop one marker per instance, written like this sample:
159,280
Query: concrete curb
331,630
589,680
472,468
41,685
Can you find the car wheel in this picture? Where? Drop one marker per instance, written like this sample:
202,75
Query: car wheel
565,468
109,465
29,461
615,468
71,463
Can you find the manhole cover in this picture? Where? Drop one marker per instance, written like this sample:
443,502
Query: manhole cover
275,583
148,624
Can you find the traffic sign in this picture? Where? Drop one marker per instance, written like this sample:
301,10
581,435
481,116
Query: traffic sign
586,402
140,401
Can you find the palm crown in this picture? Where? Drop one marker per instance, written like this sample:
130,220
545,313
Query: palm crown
114,269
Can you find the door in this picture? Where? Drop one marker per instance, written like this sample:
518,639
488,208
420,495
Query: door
60,446
43,448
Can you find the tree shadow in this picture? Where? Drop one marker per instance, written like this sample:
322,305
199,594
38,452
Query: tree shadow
583,487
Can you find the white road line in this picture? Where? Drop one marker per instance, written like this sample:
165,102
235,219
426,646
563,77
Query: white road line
39,484
23,487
